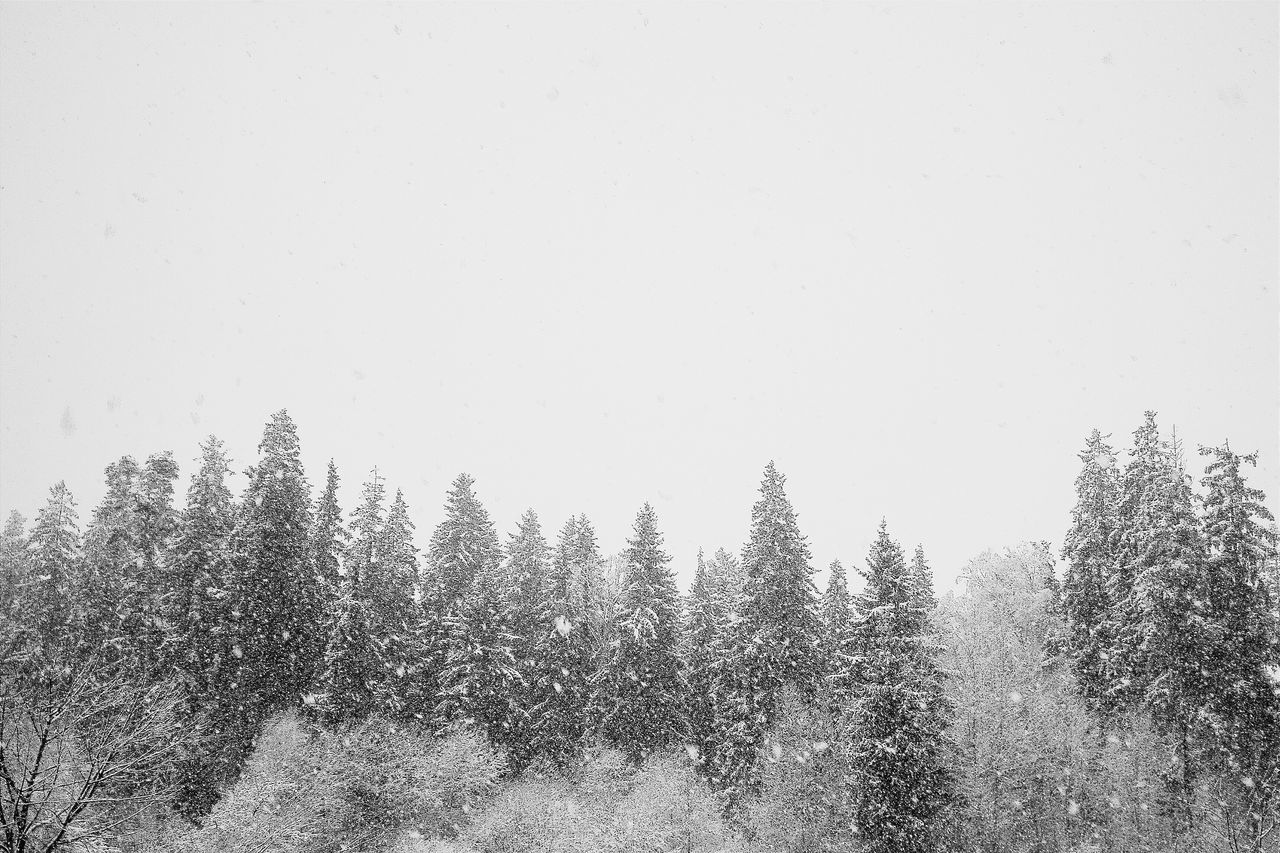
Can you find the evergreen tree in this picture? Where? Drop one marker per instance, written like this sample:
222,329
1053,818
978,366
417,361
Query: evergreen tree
355,664
111,554
276,621
900,769
527,573
1161,628
13,563
702,623
1090,552
776,639
482,684
51,603
639,691
1244,661
836,614
329,537
201,651
462,546
396,612
558,697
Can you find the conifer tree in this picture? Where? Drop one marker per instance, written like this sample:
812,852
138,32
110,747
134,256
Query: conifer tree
51,603
481,683
276,622
463,545
639,691
111,553
13,563
776,638
559,696
396,612
201,652
1160,627
1244,660
702,624
900,769
527,573
836,614
355,665
329,537
1090,552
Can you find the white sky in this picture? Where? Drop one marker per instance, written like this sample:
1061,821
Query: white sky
597,255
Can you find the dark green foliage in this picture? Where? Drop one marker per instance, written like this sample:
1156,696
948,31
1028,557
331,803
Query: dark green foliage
462,546
48,603
527,573
329,537
639,691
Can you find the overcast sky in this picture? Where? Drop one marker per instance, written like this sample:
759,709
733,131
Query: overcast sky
598,255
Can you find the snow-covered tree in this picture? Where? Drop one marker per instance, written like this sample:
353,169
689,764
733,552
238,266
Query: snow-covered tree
558,690
51,602
1244,659
1090,552
276,617
201,651
836,614
13,562
395,612
329,536
527,574
462,545
639,691
900,766
776,637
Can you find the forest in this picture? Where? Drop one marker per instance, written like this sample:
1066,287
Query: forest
288,670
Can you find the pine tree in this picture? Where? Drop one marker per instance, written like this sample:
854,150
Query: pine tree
639,691
276,611
1090,552
1244,658
13,563
900,769
52,603
776,639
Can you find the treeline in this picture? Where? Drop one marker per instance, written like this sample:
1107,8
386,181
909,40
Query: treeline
862,719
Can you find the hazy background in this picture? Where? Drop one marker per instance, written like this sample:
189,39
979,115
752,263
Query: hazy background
597,255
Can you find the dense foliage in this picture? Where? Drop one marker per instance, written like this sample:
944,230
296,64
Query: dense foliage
270,673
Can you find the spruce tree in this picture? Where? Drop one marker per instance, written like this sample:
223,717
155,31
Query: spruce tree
527,573
1090,551
201,652
111,554
639,691
329,537
702,624
462,546
355,664
899,766
52,604
776,638
558,697
836,614
1244,660
276,624
13,563
396,612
